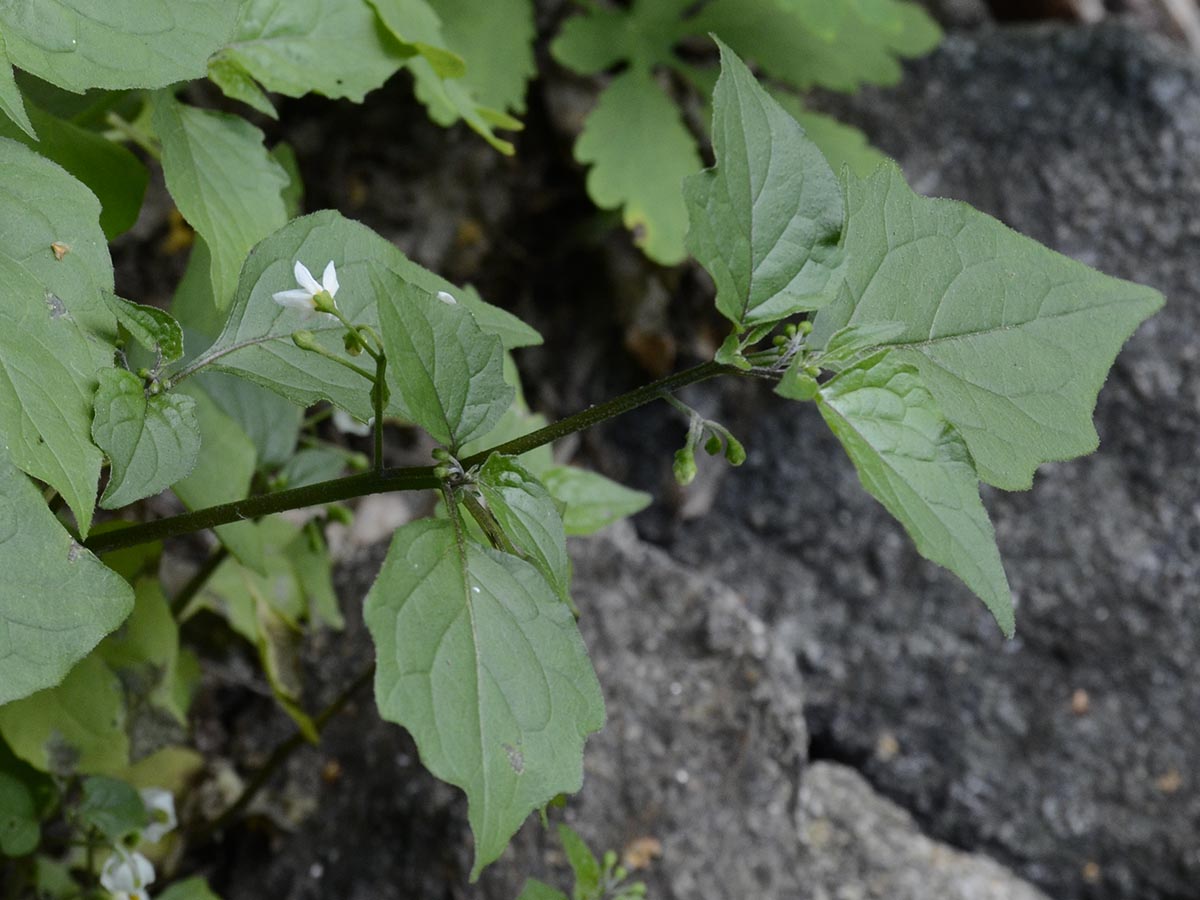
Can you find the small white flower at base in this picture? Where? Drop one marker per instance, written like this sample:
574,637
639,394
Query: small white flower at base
125,875
160,806
446,297
347,424
303,298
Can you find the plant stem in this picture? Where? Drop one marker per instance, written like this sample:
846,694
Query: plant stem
194,584
377,396
280,755
131,132
414,478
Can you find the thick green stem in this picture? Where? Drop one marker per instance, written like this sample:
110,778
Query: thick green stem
417,478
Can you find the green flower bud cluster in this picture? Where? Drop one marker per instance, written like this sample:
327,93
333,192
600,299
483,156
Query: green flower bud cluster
718,439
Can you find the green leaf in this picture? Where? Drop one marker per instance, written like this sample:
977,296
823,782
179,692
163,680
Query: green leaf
516,422
495,37
12,104
310,560
26,795
640,153
256,341
57,332
193,305
266,607
130,562
602,37
591,501
914,462
583,863
538,890
152,442
312,466
337,48
151,327
76,727
48,378
513,332
223,473
270,421
42,205
847,344
445,372
486,669
20,829
1012,339
293,191
850,45
529,517
127,44
449,101
415,25
842,144
237,83
54,880
224,182
113,808
767,220
192,889
111,172
797,383
144,651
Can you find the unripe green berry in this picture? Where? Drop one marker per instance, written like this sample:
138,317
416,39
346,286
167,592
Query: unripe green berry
805,327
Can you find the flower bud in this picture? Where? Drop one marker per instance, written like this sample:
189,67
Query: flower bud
305,340
734,451
713,445
684,466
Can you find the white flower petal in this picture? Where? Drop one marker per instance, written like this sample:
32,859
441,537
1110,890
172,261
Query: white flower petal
160,805
446,297
330,280
304,278
126,872
295,299
347,424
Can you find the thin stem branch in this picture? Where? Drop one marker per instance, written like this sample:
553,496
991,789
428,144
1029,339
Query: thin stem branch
280,755
131,132
196,583
416,478
377,393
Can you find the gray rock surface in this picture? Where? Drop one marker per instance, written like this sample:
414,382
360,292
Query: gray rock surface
1069,753
704,753
859,846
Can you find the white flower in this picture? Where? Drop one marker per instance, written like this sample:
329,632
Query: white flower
125,875
160,805
446,297
304,298
347,424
